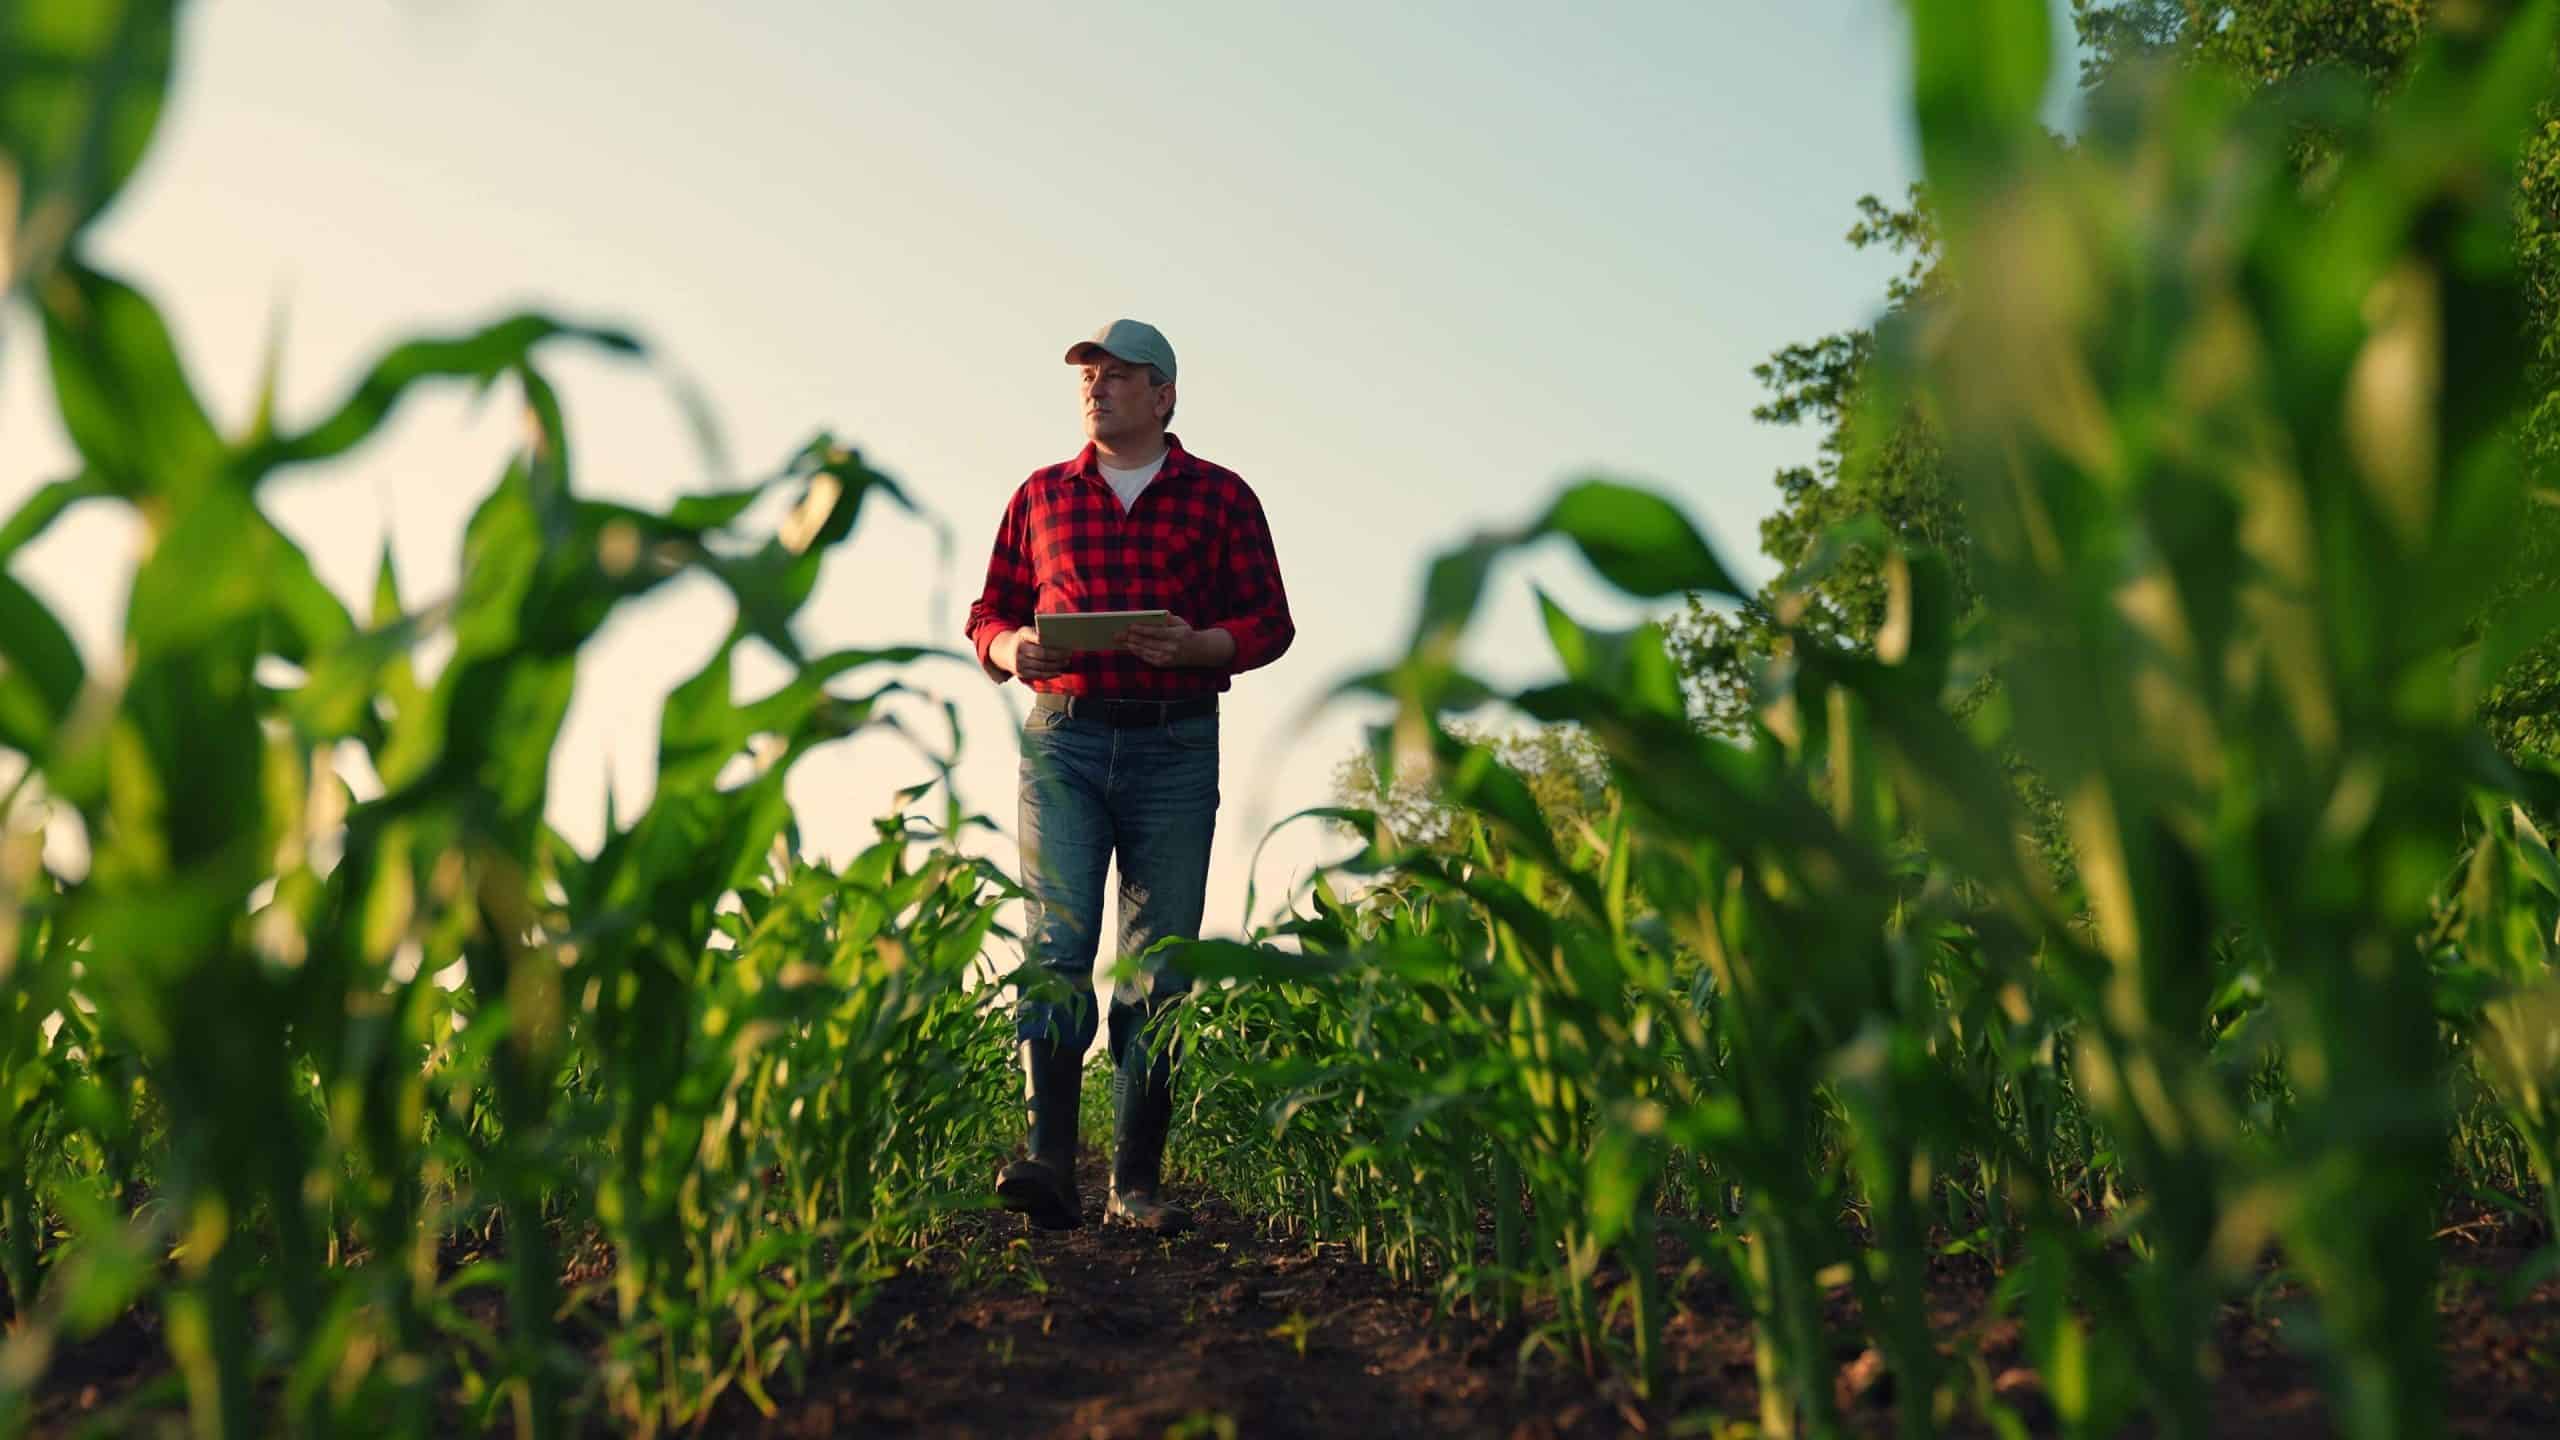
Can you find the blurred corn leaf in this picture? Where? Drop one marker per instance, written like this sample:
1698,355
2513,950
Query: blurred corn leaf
81,88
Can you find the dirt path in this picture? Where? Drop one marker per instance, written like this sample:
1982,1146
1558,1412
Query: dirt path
1103,1333
1107,1334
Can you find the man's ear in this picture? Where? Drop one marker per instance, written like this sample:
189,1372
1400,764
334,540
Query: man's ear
1164,402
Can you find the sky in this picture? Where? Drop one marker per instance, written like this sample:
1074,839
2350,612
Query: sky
1422,264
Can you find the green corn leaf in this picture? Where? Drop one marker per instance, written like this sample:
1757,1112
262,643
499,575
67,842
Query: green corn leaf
81,89
343,682
123,394
1635,539
481,357
1451,590
804,705
502,549
306,618
398,680
40,670
1638,540
773,582
1215,961
701,727
1375,847
48,504
713,510
697,727
500,720
1614,1176
1921,618
1633,663
1979,69
1955,792
219,561
828,511
1426,686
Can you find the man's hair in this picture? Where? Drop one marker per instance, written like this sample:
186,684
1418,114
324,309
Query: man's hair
1158,377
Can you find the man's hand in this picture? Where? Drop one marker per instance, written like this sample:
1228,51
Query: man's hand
1175,644
1021,652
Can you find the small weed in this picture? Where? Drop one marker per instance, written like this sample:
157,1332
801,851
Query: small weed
1296,1330
1202,1425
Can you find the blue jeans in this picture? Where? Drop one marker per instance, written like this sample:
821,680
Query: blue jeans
1147,794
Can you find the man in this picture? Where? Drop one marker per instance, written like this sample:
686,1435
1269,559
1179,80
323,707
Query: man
1120,751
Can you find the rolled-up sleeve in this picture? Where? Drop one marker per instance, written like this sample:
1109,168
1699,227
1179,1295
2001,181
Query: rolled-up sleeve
1005,602
1257,602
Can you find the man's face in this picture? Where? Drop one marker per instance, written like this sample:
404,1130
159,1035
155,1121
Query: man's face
1120,401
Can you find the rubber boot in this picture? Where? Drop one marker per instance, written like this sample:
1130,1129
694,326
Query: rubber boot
1042,1185
1137,1161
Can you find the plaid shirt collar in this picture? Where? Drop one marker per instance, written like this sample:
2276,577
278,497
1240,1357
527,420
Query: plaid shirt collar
1177,462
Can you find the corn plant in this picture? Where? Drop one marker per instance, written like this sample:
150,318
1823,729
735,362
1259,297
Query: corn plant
314,1072
2238,446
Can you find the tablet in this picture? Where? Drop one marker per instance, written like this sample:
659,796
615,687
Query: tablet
1093,629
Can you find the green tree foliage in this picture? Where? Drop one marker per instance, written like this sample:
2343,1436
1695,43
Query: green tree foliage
1832,584
2266,40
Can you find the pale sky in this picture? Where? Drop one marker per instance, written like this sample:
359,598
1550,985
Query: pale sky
1421,263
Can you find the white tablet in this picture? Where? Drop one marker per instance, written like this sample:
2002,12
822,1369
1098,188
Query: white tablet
1093,629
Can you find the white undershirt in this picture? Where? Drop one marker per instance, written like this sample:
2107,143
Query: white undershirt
1127,483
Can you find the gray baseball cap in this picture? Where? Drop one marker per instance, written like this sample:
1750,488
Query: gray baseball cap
1135,341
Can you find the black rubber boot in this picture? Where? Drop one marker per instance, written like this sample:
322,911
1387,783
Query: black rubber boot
1137,1161
1042,1185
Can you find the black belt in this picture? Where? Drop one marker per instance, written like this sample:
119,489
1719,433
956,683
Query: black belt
1119,714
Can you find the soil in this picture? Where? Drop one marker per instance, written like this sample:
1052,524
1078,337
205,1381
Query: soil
1106,1332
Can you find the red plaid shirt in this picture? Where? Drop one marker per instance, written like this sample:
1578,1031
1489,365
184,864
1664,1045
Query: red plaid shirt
1195,543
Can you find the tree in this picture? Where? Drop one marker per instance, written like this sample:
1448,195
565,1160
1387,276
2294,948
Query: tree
2267,40
1839,596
